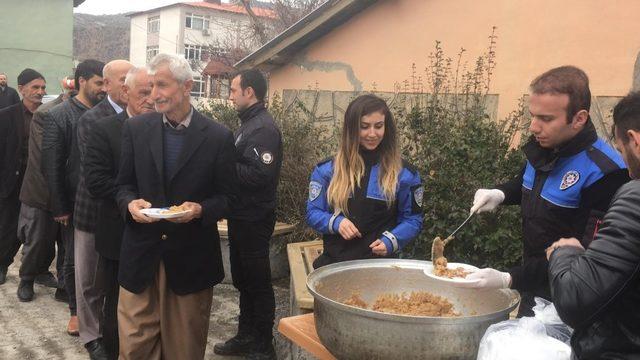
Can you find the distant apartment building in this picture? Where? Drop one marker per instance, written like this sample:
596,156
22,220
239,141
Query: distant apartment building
202,31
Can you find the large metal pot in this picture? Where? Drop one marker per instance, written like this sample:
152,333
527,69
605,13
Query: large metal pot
353,333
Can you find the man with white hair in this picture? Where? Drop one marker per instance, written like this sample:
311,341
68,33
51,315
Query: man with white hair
89,291
101,163
168,267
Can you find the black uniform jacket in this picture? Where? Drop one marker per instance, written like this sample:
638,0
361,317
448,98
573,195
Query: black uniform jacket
597,291
259,158
544,219
204,174
101,163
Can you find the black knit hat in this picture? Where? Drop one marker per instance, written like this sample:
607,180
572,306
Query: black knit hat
28,75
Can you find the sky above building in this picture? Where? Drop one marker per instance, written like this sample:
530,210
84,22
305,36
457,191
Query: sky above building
100,7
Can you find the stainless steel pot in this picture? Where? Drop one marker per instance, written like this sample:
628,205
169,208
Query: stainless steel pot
353,333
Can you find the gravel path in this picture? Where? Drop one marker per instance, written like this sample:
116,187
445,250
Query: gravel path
37,329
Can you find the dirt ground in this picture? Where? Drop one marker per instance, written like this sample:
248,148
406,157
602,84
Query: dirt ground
36,330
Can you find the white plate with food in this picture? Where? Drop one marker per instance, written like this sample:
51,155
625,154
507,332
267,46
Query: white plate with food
165,213
454,273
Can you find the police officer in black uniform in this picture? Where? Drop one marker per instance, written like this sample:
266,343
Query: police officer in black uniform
252,219
565,188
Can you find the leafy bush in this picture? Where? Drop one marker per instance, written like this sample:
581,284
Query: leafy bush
457,148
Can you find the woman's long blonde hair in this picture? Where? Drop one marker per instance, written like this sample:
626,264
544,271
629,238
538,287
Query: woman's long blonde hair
348,167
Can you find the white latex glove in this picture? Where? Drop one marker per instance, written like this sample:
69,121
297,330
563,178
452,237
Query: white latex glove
487,279
486,200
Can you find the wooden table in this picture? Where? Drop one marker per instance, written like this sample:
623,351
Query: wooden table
279,229
301,330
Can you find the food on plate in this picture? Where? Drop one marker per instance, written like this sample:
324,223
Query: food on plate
173,209
441,270
440,262
416,303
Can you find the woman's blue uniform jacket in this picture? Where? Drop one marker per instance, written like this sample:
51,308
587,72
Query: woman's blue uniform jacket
395,226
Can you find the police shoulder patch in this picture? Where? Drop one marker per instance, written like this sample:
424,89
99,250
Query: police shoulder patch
315,188
266,157
418,194
569,179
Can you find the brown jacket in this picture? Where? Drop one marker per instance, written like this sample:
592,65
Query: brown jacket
35,192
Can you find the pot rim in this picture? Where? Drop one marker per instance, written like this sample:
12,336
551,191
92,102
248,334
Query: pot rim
405,264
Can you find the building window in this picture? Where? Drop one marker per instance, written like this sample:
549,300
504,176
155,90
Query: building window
153,24
218,51
152,51
193,52
197,22
198,88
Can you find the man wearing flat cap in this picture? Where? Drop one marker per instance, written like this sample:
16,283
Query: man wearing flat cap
14,139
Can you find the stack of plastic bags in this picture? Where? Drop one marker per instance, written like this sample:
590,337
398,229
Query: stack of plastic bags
543,336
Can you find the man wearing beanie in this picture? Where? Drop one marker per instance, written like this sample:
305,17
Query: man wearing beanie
8,95
14,140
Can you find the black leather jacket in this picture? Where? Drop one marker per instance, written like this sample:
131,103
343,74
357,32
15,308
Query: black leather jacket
597,291
258,162
60,165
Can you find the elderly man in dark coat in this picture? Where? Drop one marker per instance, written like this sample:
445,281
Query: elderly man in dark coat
14,144
168,267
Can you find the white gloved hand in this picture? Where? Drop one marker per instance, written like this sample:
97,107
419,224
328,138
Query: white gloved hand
488,279
486,200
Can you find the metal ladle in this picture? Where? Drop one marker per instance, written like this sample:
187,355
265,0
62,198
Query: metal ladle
437,242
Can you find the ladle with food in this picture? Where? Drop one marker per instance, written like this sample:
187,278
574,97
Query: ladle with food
439,261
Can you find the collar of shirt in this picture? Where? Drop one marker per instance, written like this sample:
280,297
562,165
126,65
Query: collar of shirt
183,125
77,103
26,110
115,106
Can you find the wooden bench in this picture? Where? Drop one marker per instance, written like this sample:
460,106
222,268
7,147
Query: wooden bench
276,252
301,256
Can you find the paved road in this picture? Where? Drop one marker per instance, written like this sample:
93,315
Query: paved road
36,330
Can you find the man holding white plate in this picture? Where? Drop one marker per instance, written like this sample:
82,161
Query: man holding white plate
176,157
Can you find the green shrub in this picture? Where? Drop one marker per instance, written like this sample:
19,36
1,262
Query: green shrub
457,148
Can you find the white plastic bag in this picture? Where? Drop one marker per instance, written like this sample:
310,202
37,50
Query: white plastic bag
546,312
529,338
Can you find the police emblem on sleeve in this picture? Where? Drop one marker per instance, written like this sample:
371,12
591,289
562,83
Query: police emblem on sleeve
314,190
266,157
417,196
569,179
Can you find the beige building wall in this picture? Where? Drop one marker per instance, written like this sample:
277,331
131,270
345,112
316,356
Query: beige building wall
171,31
138,43
380,44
